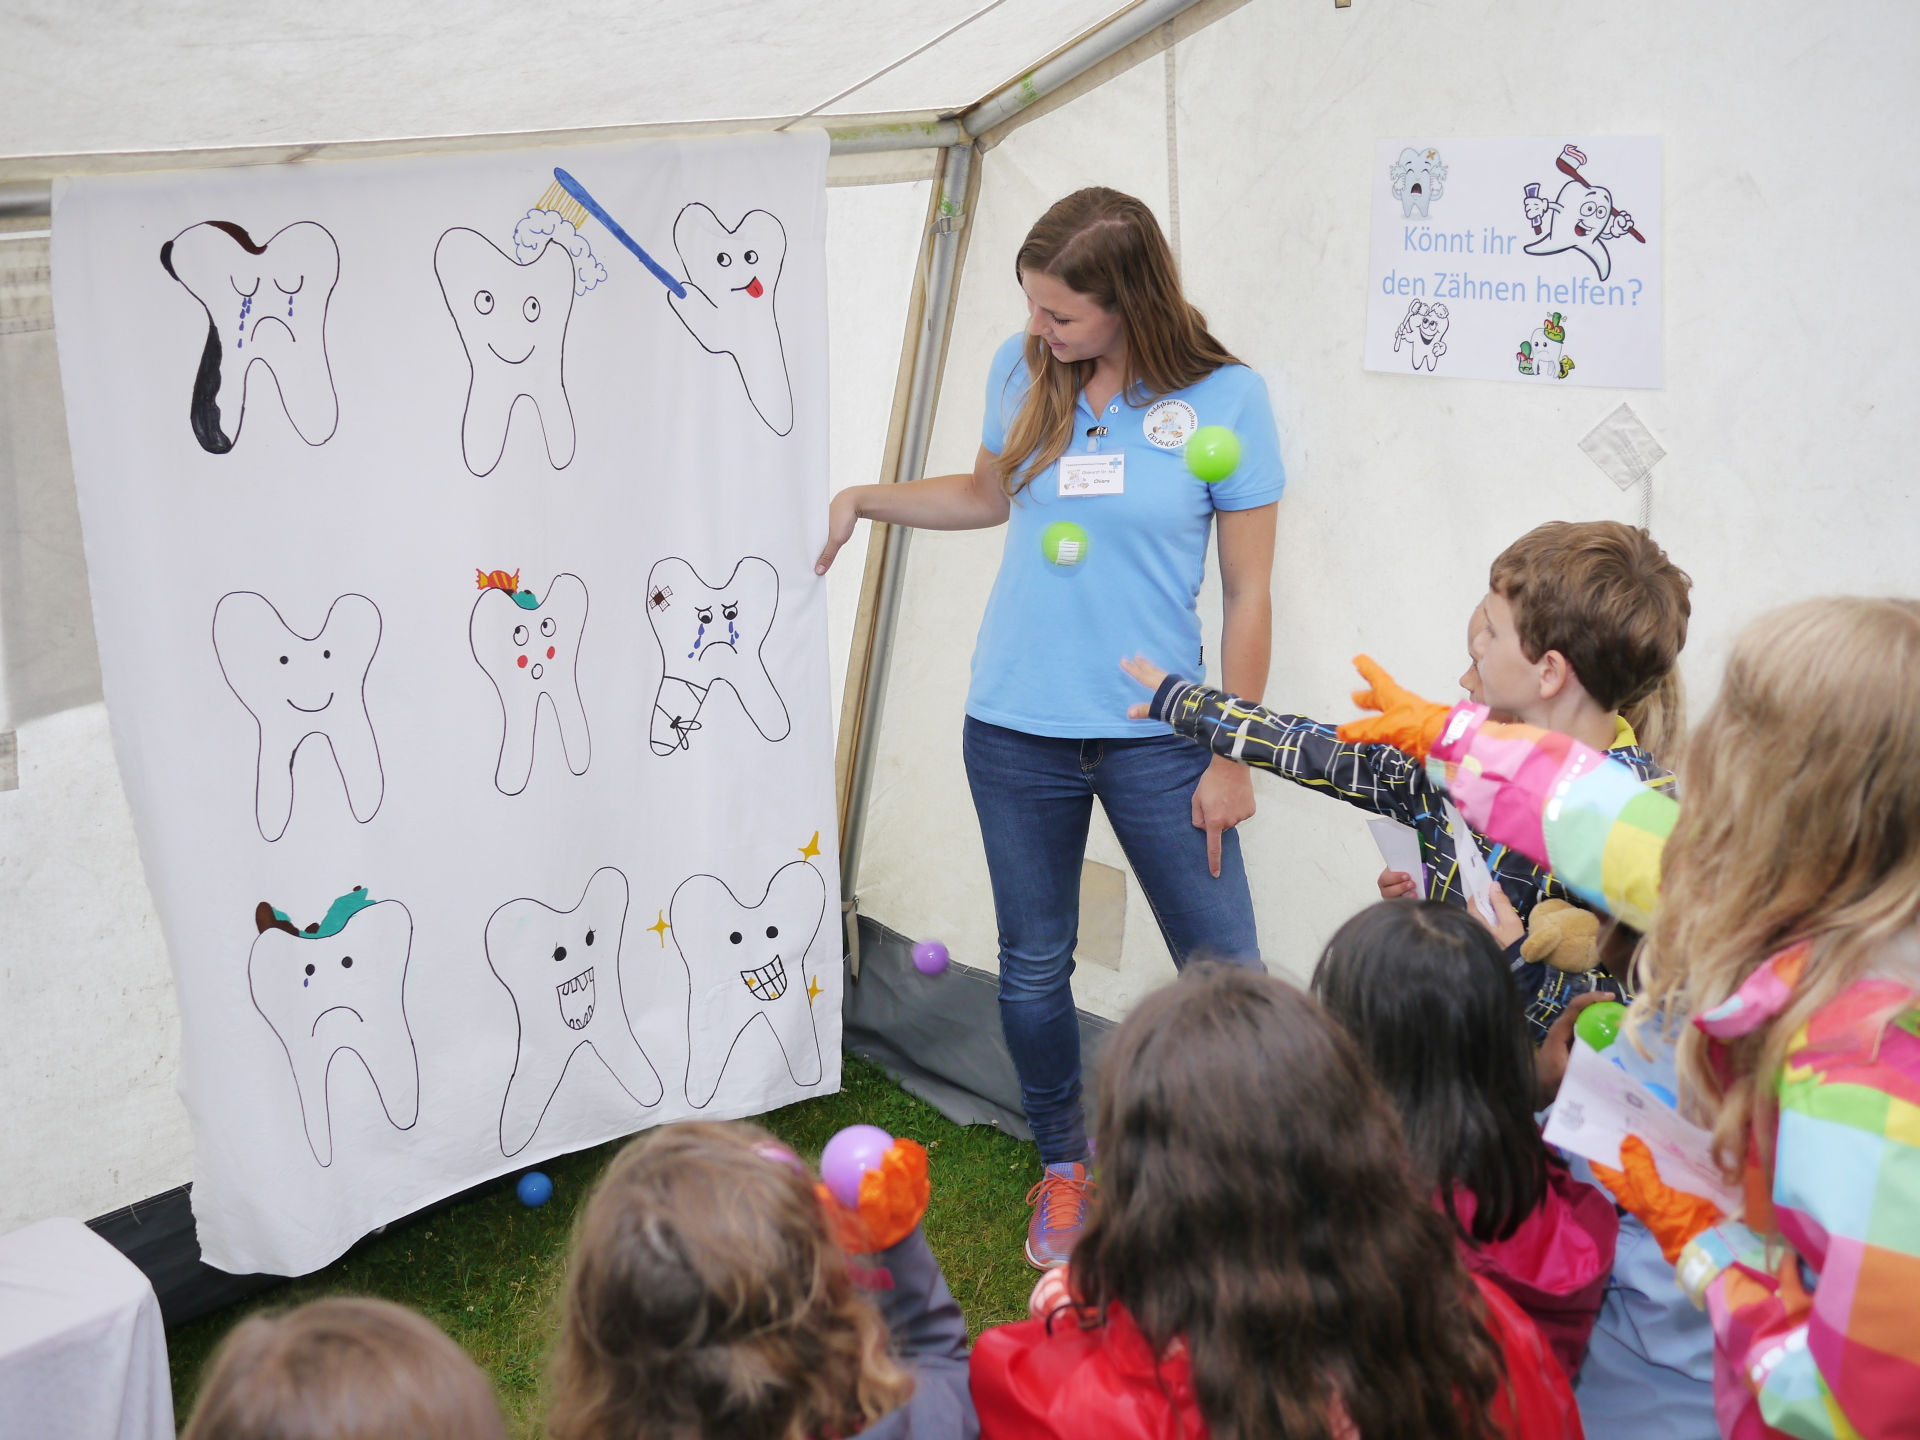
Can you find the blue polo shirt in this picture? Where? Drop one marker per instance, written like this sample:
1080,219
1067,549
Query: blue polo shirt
1047,660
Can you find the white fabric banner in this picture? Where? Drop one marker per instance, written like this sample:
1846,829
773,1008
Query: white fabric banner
450,524
1532,260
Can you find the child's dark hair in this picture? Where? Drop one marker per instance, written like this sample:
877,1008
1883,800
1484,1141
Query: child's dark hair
1424,990
1255,1202
705,1297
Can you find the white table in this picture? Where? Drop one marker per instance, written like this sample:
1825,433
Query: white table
83,1353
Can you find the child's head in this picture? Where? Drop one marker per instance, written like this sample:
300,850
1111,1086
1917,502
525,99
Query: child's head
1255,1202
1800,821
343,1370
705,1297
1592,608
1426,994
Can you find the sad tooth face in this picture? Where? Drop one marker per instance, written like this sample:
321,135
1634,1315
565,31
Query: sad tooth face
747,963
562,968
713,635
733,277
266,304
512,319
530,653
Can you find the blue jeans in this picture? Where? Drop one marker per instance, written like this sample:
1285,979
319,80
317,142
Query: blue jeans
1034,796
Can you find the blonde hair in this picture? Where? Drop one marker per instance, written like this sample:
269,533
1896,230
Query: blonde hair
1801,823
705,1297
1659,719
1106,246
348,1369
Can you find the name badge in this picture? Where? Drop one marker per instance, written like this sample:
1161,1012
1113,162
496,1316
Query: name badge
1092,475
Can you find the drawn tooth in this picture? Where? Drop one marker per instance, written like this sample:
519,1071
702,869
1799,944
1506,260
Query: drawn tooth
733,275
713,636
504,634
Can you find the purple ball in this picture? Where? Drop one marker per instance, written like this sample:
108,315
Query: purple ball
849,1155
930,957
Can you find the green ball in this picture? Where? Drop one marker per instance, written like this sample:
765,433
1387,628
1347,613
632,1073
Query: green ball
1064,544
1599,1024
1213,453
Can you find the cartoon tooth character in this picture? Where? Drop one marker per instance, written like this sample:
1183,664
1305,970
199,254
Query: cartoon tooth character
733,278
530,650
1424,331
1581,217
266,305
712,637
339,986
1419,178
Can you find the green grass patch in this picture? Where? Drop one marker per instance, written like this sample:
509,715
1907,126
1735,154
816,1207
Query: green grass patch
489,1270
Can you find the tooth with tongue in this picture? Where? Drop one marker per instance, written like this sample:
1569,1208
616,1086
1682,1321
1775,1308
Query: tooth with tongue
562,968
733,280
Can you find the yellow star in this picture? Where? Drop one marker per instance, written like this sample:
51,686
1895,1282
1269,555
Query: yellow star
813,988
811,848
660,928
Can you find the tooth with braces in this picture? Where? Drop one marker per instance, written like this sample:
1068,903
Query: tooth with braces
300,687
512,318
747,963
530,654
732,275
243,288
562,968
339,987
712,635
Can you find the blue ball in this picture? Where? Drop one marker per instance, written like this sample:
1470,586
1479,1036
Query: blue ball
534,1189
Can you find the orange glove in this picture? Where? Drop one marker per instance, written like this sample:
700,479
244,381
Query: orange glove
1673,1216
892,1200
1406,721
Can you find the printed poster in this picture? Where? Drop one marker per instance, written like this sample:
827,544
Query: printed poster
450,525
1535,261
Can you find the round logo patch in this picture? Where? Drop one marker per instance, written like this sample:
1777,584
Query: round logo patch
1169,423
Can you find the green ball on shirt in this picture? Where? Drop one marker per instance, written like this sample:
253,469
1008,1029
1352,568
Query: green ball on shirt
1213,453
1064,543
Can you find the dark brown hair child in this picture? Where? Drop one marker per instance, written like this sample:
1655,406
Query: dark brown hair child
1260,1261
707,1297
343,1370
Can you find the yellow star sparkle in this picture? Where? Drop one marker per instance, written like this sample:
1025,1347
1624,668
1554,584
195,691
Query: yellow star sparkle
813,988
660,928
811,848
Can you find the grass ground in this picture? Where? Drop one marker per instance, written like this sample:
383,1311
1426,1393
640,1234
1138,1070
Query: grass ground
489,1270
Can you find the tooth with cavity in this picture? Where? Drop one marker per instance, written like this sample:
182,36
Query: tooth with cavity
300,688
339,987
712,635
513,320
732,276
746,963
530,653
264,303
562,968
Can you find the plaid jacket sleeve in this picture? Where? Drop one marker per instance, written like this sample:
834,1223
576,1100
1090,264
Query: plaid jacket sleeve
1374,777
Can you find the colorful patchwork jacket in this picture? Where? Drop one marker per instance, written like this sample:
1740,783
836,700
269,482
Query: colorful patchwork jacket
1381,779
1819,1337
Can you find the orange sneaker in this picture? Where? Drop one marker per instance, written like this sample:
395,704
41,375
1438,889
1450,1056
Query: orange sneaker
1059,1204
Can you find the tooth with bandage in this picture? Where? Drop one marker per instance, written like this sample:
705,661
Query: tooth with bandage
747,963
512,318
712,635
732,275
562,968
299,688
529,649
339,987
265,303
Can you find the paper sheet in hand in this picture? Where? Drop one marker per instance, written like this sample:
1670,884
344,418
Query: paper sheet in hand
1474,875
1599,1105
1400,848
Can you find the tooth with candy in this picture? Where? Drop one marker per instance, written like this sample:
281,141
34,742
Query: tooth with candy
300,688
338,987
732,275
712,635
512,318
264,303
746,963
562,968
529,649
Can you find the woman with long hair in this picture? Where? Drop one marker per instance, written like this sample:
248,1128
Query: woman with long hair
1088,413
1261,1263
